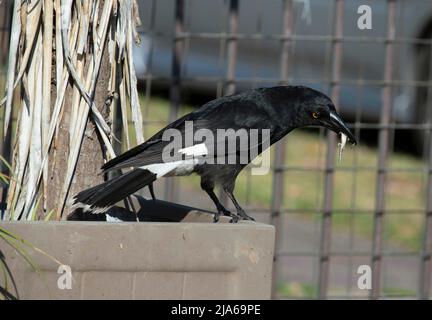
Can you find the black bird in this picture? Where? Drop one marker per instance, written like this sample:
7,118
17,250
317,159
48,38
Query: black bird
277,109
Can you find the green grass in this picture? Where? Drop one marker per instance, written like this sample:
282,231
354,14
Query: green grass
304,189
303,290
297,290
398,292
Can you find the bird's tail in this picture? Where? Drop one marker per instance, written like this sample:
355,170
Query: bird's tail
100,198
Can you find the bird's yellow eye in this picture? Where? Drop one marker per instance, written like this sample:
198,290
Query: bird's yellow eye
315,115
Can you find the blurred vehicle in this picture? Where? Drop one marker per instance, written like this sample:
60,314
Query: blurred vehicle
204,61
258,61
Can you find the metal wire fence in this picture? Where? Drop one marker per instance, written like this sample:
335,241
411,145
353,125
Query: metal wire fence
373,209
389,263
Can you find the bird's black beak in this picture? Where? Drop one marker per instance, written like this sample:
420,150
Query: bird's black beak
336,124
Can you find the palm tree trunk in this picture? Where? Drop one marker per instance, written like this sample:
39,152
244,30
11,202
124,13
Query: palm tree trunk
87,172
71,63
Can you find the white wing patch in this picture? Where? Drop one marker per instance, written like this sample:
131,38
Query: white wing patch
175,168
185,167
161,169
181,167
195,150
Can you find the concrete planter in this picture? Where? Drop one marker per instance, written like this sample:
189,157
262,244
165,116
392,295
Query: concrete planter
132,260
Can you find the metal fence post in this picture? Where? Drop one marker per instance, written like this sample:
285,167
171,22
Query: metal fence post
231,45
383,151
230,84
425,263
175,86
325,245
426,250
278,172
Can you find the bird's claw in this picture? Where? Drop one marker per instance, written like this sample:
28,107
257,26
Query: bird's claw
216,217
234,218
245,216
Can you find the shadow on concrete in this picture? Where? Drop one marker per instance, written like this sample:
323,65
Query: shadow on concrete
138,208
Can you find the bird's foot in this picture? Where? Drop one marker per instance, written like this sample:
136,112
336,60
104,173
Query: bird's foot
221,212
234,218
216,217
244,215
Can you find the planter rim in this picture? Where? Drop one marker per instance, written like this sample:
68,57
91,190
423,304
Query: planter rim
136,260
243,224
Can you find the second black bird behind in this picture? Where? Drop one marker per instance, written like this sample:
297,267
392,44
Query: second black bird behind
276,111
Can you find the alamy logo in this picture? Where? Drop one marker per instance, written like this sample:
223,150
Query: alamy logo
364,282
365,20
222,146
65,280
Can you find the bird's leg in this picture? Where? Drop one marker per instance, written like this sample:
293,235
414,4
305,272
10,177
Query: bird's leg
220,208
150,186
239,209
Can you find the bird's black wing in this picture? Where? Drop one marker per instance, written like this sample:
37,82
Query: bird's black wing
230,113
156,139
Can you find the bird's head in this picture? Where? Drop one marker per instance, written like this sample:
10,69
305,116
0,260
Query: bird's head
312,108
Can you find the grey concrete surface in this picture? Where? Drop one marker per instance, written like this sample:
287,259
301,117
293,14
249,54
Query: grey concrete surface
146,260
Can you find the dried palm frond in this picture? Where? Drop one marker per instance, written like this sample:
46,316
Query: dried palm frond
75,34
